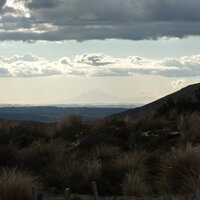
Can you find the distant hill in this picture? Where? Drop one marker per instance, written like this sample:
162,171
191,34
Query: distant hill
187,92
53,113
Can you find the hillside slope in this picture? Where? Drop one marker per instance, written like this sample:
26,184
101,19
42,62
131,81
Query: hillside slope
187,92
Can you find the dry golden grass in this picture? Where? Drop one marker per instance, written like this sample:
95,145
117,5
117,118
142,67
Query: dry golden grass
132,161
132,166
15,185
181,170
134,185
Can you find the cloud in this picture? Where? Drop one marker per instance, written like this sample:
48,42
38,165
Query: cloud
2,2
65,61
57,20
25,58
40,4
100,65
4,72
94,59
177,83
118,11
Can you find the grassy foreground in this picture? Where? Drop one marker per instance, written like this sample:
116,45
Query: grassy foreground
155,157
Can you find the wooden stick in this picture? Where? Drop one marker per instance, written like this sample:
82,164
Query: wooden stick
34,193
67,193
95,191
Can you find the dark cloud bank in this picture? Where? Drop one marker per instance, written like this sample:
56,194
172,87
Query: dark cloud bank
2,2
103,19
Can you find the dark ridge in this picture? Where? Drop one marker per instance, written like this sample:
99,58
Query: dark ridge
148,109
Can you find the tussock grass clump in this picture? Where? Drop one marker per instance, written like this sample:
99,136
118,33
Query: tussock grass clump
15,185
132,161
134,185
132,167
181,170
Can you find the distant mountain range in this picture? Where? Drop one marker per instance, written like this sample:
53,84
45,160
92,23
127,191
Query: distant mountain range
93,98
90,105
98,97
187,92
90,111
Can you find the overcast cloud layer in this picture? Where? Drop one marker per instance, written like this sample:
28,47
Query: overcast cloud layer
99,65
80,20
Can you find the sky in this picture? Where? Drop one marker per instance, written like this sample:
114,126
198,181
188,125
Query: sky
56,51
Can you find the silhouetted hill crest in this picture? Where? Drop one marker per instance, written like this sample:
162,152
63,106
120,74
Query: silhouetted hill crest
186,92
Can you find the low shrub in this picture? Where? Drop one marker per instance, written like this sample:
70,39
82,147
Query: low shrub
91,170
38,156
8,155
191,128
71,128
151,123
106,153
106,132
64,172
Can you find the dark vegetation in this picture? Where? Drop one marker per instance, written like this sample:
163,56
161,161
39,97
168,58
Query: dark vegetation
157,155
